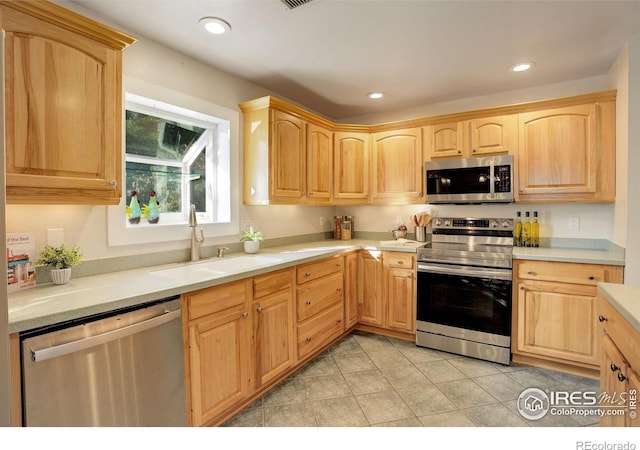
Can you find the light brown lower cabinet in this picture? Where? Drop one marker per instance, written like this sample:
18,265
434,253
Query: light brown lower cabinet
351,289
554,314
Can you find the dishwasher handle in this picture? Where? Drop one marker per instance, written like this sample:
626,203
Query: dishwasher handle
82,344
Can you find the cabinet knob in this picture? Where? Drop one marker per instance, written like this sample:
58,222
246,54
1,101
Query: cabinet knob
308,274
309,339
522,288
338,289
308,302
592,278
409,276
339,321
459,152
339,264
473,151
602,318
400,262
245,314
621,377
259,309
113,183
614,367
530,272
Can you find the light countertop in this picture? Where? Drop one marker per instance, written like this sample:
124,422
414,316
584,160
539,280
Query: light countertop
612,255
624,298
49,304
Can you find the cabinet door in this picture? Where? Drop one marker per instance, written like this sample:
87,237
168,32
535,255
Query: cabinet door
370,299
397,166
401,295
494,135
63,114
220,363
446,140
351,168
557,151
273,331
558,320
319,164
287,167
351,290
613,366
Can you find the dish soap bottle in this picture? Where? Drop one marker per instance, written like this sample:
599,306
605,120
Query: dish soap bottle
517,231
526,231
535,231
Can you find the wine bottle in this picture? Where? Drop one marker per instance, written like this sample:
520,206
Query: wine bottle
526,231
517,231
535,231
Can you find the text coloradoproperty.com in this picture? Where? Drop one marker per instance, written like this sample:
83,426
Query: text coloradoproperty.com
577,411
588,445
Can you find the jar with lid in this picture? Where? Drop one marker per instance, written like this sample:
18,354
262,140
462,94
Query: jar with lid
353,226
337,227
346,230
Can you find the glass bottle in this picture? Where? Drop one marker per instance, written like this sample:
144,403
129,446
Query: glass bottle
535,231
517,231
526,231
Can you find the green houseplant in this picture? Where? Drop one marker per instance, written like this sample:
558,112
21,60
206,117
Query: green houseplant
60,260
251,240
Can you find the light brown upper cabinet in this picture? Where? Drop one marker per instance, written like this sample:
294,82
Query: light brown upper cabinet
567,154
351,168
63,103
476,137
288,167
319,164
397,166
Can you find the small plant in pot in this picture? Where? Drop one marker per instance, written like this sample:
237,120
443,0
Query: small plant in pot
251,240
60,260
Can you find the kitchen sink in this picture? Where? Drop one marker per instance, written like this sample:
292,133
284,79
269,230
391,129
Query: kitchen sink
214,268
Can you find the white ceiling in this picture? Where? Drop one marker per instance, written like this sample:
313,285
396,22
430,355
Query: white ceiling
327,54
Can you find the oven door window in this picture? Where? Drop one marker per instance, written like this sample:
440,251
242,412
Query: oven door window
471,303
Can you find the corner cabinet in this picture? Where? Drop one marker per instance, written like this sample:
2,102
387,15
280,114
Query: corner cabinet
351,168
567,154
554,312
61,152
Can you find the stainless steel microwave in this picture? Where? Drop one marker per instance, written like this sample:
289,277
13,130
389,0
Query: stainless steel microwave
470,180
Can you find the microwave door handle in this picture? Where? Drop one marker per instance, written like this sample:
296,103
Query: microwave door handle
495,274
492,182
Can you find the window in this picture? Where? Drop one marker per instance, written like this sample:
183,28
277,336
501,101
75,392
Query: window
179,154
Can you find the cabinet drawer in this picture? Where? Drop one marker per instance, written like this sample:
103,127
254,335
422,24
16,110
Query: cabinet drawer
319,295
272,282
398,260
319,330
573,273
620,330
214,299
313,271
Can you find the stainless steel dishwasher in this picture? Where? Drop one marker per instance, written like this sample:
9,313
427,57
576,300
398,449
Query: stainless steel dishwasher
120,369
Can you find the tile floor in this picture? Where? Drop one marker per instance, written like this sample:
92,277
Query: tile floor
372,380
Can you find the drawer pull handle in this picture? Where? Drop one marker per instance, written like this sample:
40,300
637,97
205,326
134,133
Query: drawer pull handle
309,339
400,262
339,289
614,367
339,321
245,314
308,302
592,278
259,309
602,318
621,377
529,272
308,274
339,264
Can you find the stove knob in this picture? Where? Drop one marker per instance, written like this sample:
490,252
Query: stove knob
505,224
438,222
447,223
493,224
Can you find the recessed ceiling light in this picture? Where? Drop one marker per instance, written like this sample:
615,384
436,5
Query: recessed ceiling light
215,25
521,67
375,95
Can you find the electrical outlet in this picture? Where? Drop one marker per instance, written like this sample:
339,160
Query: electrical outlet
574,224
321,221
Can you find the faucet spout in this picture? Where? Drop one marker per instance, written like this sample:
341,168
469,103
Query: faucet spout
196,241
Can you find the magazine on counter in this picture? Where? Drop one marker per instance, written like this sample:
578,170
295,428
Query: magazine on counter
21,257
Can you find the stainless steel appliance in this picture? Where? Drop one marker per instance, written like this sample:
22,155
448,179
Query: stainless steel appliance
464,288
470,180
121,369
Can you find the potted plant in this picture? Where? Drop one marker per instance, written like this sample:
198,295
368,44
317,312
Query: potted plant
61,260
251,240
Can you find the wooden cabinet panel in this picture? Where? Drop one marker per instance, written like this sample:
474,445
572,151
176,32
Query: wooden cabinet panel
351,168
212,300
311,298
319,164
494,135
63,124
320,330
370,295
288,166
613,365
272,282
397,166
351,289
318,269
590,274
274,336
446,140
399,260
401,295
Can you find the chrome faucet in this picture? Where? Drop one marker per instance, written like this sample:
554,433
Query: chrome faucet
196,241
221,251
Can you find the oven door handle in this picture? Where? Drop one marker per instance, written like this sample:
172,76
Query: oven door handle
496,274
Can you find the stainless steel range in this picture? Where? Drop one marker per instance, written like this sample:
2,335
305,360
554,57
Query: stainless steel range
464,288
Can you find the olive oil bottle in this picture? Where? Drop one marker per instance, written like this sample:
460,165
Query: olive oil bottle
517,231
535,231
526,231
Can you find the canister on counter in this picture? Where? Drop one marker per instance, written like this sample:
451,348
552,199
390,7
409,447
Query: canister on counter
346,230
337,227
353,226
